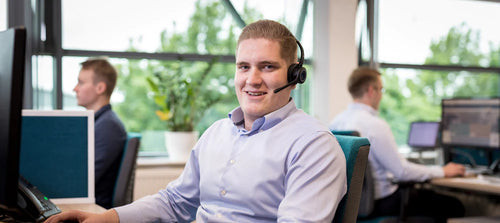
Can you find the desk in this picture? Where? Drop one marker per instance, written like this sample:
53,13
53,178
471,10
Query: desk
94,208
468,183
475,220
478,199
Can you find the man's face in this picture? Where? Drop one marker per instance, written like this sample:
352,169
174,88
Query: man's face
86,90
259,70
377,97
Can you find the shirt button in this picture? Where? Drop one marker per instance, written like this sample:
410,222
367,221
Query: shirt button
231,161
223,192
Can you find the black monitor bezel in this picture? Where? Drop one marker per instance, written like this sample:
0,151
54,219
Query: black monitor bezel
458,145
11,137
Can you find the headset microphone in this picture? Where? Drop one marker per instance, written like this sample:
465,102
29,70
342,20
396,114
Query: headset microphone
281,88
296,73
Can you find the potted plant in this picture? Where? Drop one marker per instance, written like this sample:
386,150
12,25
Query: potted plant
182,97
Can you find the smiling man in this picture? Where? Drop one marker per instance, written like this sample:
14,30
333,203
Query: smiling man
267,162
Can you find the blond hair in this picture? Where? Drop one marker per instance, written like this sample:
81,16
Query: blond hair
360,79
275,31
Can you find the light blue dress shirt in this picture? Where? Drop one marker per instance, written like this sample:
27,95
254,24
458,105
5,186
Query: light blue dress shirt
384,159
287,168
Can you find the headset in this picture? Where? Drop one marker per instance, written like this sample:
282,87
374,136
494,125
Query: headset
296,72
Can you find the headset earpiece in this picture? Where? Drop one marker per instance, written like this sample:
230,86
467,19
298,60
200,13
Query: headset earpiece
296,72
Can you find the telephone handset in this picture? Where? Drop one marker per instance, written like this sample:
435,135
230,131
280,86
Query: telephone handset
32,204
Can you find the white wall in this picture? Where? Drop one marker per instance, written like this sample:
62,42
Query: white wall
335,56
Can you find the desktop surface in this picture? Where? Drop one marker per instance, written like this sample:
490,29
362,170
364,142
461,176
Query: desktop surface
89,207
471,183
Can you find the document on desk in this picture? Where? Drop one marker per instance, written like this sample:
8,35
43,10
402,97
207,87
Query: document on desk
475,180
490,179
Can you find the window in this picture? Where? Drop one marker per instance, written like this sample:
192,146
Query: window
189,33
43,82
407,29
415,95
3,15
430,50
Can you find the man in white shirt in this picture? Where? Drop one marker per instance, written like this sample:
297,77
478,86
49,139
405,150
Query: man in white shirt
267,162
365,87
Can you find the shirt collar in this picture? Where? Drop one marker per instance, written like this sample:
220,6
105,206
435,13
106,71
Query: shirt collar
364,107
263,123
102,110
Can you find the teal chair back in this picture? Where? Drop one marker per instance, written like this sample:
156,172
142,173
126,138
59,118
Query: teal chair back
356,151
346,132
124,186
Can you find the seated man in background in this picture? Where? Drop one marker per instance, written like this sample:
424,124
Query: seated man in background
96,82
267,162
365,87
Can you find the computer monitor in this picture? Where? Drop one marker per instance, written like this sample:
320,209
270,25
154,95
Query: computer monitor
423,135
470,123
12,62
57,154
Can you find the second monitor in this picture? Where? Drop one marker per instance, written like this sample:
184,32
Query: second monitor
471,123
423,135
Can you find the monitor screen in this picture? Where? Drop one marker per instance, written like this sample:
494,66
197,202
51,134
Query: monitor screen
471,123
57,154
12,61
423,134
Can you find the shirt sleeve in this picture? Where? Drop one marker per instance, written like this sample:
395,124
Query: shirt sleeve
386,154
315,180
178,202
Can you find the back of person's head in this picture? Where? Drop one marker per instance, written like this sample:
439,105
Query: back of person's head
275,31
103,72
360,79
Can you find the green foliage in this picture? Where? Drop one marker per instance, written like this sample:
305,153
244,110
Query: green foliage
132,86
210,84
418,97
182,94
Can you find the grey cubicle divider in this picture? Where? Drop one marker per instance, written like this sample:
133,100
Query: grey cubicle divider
57,153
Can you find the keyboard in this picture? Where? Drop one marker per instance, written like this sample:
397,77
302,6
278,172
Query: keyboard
474,171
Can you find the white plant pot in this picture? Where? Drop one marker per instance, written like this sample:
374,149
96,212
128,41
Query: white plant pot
180,144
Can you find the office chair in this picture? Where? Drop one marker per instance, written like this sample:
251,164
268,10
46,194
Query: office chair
356,152
367,191
124,186
367,201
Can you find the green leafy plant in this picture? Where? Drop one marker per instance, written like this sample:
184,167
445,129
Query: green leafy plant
182,94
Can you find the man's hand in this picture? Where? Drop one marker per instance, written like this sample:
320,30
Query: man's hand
454,170
109,216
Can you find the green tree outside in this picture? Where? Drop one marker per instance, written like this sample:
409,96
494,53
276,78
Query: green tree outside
419,98
205,35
